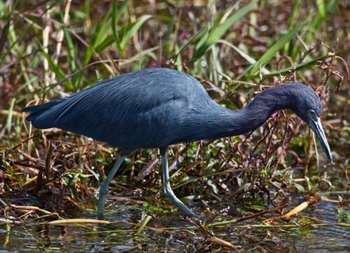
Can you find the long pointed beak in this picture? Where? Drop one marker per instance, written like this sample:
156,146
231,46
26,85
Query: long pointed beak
316,126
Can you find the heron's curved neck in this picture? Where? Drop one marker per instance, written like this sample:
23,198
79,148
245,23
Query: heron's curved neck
258,111
226,122
212,121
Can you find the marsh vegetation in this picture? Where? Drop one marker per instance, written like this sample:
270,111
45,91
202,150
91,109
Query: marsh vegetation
246,185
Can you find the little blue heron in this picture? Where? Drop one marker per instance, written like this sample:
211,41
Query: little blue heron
158,107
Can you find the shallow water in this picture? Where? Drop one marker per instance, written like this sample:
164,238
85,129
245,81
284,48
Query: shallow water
121,237
326,238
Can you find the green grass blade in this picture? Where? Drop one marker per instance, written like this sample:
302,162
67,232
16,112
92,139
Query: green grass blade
58,71
293,18
329,9
200,45
72,56
219,29
102,39
100,34
105,43
203,35
117,12
131,30
71,49
244,55
315,19
272,51
192,40
321,8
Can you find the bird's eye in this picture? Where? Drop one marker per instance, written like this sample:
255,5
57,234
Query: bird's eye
312,114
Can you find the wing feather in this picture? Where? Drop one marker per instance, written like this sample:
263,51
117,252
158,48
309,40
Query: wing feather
131,110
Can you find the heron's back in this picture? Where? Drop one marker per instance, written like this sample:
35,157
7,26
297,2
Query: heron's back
136,110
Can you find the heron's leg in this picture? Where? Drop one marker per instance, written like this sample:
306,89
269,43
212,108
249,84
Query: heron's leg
167,187
104,187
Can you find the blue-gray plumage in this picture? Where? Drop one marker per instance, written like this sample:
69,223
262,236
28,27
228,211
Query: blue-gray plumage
158,107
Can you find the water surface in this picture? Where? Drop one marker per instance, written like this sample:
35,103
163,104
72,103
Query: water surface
171,234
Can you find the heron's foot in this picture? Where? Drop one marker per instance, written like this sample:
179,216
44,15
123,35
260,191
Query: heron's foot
188,212
192,214
179,204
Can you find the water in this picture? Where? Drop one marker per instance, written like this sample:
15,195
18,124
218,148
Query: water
121,237
327,238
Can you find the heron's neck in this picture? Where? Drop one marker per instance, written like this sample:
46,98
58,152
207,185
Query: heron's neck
211,120
250,117
258,111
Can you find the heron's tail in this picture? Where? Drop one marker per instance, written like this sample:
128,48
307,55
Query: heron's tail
42,116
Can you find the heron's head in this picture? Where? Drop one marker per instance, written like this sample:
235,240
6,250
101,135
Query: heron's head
307,105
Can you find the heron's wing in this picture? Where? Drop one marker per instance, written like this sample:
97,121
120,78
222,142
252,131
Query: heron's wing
123,108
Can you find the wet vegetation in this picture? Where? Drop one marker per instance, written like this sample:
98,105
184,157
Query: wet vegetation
261,192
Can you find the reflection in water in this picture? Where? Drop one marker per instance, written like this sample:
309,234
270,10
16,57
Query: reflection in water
120,237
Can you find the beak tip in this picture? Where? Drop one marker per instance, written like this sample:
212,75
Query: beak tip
330,159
